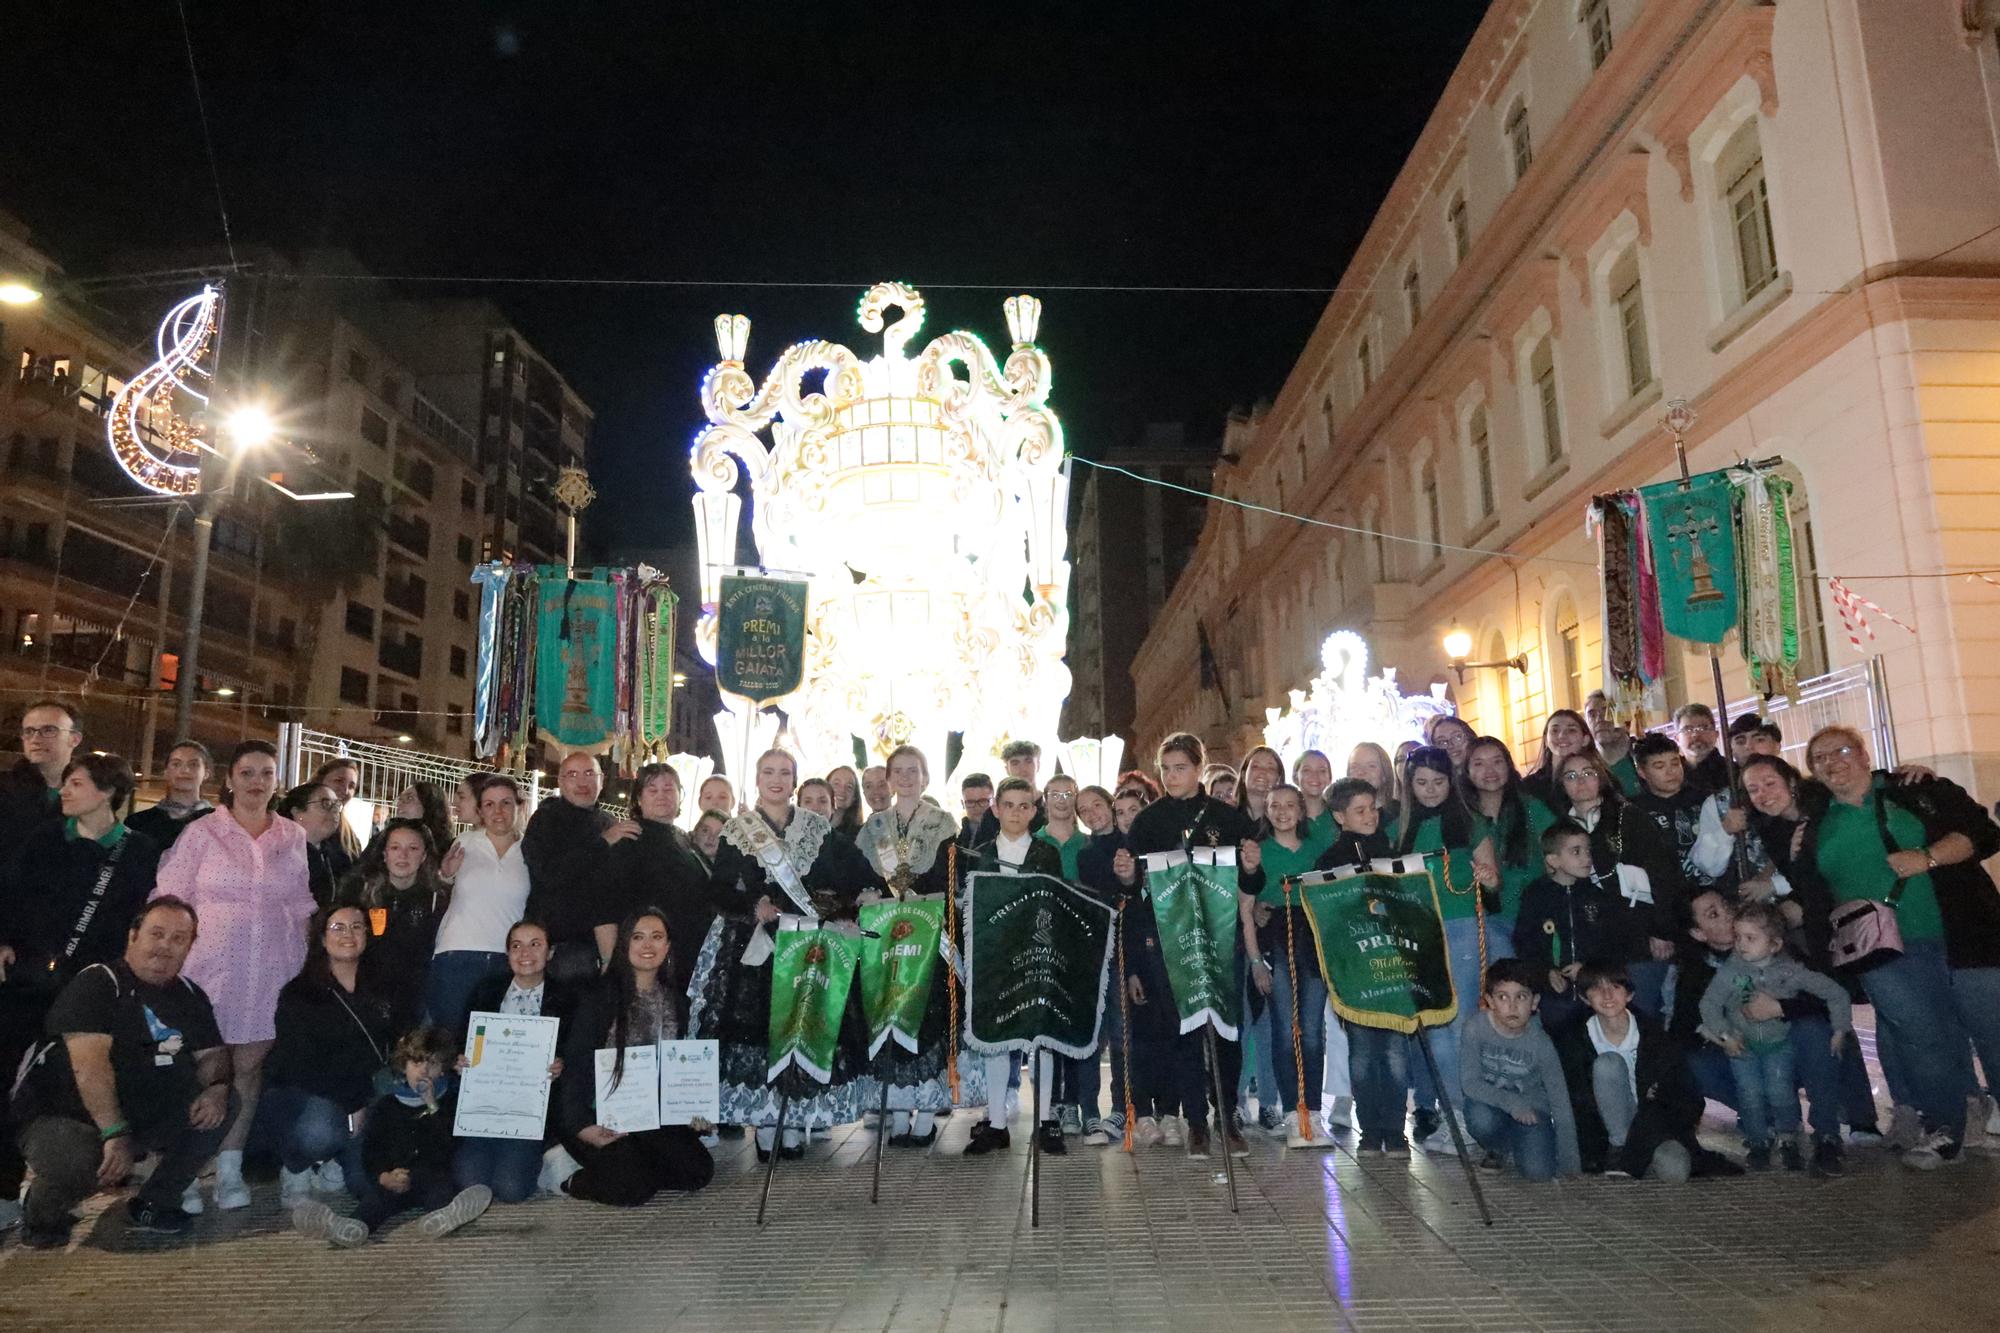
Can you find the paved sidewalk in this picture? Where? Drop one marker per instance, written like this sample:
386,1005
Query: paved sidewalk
1322,1240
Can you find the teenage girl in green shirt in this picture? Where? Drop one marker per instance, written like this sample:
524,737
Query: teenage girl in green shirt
1510,816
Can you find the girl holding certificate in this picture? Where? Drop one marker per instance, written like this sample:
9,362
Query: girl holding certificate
512,1167
632,1005
775,860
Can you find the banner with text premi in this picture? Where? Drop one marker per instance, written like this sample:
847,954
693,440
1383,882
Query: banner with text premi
1381,944
760,636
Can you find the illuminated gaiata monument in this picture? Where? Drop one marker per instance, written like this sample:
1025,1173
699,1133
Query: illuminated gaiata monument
925,495
1342,706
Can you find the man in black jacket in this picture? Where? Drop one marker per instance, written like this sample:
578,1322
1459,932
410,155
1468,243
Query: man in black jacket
1184,817
567,848
49,737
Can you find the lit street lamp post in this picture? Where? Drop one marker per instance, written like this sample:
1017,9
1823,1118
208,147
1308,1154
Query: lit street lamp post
248,428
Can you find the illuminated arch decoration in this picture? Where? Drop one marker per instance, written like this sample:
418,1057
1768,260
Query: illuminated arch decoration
158,446
1341,707
926,496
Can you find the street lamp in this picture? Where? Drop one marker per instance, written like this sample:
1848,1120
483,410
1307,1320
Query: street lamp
1458,647
15,292
250,427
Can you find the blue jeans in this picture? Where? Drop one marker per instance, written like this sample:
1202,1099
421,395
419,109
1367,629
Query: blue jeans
1084,1078
1461,940
1766,1093
1913,999
1378,1065
1532,1147
305,1130
1975,995
449,986
508,1167
1260,1064
1649,986
1310,1054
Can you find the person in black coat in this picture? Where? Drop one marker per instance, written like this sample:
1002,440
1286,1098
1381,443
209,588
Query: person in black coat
511,1168
406,1152
1185,817
334,1033
630,1006
188,767
659,868
567,847
1636,1104
396,884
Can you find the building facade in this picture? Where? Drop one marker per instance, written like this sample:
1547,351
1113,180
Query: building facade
1128,540
1779,213
94,577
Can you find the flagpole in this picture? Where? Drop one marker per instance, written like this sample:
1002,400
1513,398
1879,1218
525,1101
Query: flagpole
1034,1140
777,1150
881,1137
1450,1115
1221,1138
1305,1117
1680,417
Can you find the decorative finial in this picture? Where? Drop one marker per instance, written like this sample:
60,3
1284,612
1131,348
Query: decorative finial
1024,318
732,336
573,489
1680,417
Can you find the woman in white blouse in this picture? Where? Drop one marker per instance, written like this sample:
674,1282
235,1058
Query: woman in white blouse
489,893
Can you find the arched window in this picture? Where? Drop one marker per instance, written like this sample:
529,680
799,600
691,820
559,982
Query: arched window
1628,309
1428,508
1546,400
1413,295
1566,655
1739,177
1479,463
1596,19
1520,140
1460,226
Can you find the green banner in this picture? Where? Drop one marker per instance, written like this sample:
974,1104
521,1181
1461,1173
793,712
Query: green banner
576,657
1381,947
1036,953
1194,902
1692,533
899,955
811,973
760,636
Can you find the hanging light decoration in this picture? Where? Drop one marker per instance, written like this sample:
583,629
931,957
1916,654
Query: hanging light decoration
926,496
157,444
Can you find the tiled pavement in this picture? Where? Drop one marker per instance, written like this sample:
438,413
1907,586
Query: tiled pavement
1322,1240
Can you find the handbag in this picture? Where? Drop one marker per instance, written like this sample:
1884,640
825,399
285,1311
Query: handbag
1866,934
53,975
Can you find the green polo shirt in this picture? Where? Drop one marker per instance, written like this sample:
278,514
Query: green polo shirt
111,837
1070,850
1282,863
1514,879
1452,870
1853,860
1627,774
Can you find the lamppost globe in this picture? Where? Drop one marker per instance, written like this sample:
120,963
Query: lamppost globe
250,427
15,292
1457,645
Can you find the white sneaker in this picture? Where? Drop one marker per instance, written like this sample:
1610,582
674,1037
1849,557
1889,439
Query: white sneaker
1095,1135
191,1199
1342,1115
557,1166
231,1193
1146,1133
1173,1131
314,1219
1438,1141
1929,1152
295,1187
469,1204
332,1180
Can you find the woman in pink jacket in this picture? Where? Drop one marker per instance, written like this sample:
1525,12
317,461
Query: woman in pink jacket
244,870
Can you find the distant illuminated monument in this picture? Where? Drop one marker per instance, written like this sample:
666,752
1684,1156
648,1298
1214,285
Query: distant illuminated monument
926,497
1341,707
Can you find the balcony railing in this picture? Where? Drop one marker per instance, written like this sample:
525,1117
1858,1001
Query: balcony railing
407,596
412,534
406,657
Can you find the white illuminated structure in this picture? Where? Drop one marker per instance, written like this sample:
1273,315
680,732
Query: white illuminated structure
1094,761
1341,707
158,446
926,496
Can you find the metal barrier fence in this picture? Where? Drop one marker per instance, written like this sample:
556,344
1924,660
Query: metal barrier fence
386,770
1856,696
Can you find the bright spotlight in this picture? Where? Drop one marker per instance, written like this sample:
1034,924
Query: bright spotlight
251,427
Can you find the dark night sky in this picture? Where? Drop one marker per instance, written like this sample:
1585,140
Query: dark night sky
1020,145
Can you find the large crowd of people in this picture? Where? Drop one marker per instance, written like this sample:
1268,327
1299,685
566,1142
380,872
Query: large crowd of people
1636,928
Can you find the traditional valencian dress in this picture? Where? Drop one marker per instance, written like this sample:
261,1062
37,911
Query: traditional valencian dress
797,866
913,859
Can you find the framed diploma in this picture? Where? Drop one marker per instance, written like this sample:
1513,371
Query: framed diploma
504,1091
633,1105
690,1082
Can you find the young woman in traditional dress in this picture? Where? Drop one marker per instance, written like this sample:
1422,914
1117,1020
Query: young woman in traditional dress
907,845
776,859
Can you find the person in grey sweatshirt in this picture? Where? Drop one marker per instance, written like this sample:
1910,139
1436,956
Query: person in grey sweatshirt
1760,1050
1516,1102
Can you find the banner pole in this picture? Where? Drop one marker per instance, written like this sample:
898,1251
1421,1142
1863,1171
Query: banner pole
1125,1032
1305,1116
1740,855
1220,1140
777,1151
881,1141
1034,1140
1451,1118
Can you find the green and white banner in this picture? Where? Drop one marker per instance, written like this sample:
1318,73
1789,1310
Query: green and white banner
1194,902
1692,528
899,958
812,972
760,636
1381,945
1036,951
